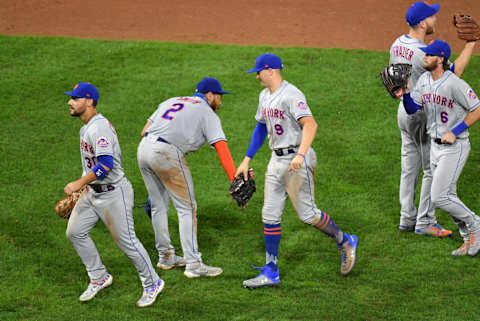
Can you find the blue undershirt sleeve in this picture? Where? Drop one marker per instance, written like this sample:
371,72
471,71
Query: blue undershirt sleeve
410,106
106,160
258,137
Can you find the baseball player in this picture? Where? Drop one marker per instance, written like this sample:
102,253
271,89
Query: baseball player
415,151
179,126
451,107
109,198
283,115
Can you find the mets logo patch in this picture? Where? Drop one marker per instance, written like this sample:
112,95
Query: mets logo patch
302,105
471,93
103,142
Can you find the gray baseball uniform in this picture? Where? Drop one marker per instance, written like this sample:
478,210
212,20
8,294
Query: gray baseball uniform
280,112
180,125
446,101
109,199
415,151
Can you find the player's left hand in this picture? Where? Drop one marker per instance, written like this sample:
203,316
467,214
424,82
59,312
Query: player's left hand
448,138
297,162
72,187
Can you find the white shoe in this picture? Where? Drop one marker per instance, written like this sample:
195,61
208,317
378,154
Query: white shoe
474,244
170,260
196,270
150,294
95,287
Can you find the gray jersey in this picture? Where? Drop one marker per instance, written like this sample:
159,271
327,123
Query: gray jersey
280,112
446,101
187,123
406,50
98,137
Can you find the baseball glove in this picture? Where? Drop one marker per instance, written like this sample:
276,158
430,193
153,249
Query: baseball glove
242,190
65,206
467,28
395,78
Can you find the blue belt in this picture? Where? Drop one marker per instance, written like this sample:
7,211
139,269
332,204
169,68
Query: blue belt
159,139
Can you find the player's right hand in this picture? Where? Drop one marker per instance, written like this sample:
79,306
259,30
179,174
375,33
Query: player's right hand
243,167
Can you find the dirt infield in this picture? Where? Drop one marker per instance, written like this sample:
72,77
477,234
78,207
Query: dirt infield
364,24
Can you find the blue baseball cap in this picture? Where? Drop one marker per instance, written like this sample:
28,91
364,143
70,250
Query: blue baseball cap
420,11
208,84
437,48
84,90
267,61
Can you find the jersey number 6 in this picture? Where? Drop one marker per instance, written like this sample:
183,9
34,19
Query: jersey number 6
172,110
444,117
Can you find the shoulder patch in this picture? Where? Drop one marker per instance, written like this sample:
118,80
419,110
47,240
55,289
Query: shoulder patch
471,94
302,105
102,142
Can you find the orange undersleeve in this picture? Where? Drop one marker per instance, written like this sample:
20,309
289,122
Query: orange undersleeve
225,159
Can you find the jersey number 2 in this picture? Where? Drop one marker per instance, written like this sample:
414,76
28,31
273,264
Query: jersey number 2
177,108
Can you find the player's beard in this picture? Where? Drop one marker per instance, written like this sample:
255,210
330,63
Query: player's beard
431,66
430,30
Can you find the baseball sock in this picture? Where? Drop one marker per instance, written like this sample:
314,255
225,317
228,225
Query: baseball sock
272,235
328,226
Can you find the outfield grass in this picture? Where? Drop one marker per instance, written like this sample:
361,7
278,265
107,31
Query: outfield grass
397,277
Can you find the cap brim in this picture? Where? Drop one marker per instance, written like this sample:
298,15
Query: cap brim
68,93
254,70
435,7
223,92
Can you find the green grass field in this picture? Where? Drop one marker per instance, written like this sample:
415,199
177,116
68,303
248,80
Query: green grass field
397,276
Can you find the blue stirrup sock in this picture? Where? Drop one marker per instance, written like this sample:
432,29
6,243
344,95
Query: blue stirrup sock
272,235
328,226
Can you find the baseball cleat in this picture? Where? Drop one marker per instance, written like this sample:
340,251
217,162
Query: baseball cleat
405,228
268,277
150,294
196,270
462,250
95,287
170,260
349,252
434,230
474,244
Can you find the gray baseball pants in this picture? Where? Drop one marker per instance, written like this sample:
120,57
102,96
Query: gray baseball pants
114,208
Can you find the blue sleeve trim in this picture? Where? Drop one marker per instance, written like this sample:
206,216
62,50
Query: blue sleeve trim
106,160
258,137
452,67
460,128
410,106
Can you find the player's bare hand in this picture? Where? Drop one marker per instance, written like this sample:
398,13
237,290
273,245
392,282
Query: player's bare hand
243,167
296,163
448,138
72,187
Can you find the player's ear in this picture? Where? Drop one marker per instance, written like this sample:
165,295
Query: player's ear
91,103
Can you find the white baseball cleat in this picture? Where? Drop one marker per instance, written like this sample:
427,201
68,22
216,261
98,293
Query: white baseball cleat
462,250
349,253
95,287
474,244
170,260
150,294
196,270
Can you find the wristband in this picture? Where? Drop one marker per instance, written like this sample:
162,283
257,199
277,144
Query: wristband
299,154
460,128
99,171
